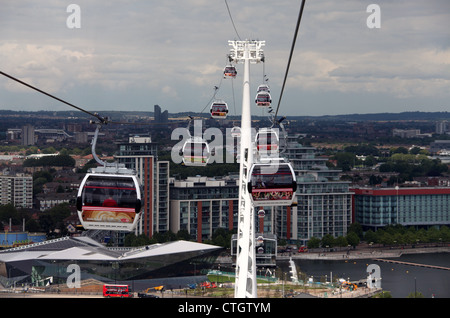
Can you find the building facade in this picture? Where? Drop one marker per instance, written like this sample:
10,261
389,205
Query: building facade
421,207
324,202
201,205
17,190
140,154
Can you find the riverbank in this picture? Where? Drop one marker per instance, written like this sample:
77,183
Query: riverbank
364,253
357,253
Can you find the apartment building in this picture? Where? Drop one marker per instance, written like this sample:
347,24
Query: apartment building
141,154
201,205
16,190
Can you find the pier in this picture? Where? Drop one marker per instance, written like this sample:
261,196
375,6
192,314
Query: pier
412,264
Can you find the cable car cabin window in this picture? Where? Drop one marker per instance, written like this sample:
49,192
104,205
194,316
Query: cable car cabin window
272,184
109,192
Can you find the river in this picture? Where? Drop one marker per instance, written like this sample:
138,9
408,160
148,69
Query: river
400,280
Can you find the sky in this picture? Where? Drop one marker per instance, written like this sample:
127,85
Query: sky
133,54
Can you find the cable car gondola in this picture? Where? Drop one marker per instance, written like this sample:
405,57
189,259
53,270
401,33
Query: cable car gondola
195,152
219,109
230,71
109,198
263,99
236,132
272,184
267,141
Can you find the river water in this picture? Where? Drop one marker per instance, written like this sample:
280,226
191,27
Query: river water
400,280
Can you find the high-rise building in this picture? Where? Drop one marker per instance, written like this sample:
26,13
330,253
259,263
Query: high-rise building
16,190
324,202
28,135
141,154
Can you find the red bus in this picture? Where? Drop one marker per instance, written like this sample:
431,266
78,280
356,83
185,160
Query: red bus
116,291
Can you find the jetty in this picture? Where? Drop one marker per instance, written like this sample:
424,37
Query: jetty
412,264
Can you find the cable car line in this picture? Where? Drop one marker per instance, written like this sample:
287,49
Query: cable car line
231,18
102,120
54,97
290,55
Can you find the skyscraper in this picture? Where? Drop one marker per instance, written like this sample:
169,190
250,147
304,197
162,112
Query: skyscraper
141,154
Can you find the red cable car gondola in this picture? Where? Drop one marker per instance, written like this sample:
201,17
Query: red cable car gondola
219,109
109,199
263,99
272,184
230,71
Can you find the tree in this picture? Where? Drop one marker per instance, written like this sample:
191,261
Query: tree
370,236
328,241
353,239
357,229
183,235
9,211
341,241
140,240
313,242
53,218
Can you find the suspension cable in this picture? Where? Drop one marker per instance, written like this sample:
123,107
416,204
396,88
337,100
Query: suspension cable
290,56
101,119
231,18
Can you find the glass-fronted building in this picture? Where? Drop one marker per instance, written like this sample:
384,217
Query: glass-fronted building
55,260
424,207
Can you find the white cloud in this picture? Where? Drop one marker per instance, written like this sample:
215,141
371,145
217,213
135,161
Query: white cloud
148,53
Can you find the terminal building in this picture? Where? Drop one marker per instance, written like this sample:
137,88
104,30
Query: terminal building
49,261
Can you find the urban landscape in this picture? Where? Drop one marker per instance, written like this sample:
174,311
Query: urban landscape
364,185
147,150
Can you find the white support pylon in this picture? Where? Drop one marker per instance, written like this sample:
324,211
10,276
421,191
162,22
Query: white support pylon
245,281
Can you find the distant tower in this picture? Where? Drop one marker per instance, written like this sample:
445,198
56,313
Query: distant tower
157,114
28,135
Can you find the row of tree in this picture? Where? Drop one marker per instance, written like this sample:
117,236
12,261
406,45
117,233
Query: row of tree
391,235
50,221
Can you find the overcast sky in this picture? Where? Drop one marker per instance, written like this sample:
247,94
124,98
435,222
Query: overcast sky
131,55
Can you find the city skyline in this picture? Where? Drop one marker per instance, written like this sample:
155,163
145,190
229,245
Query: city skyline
131,55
